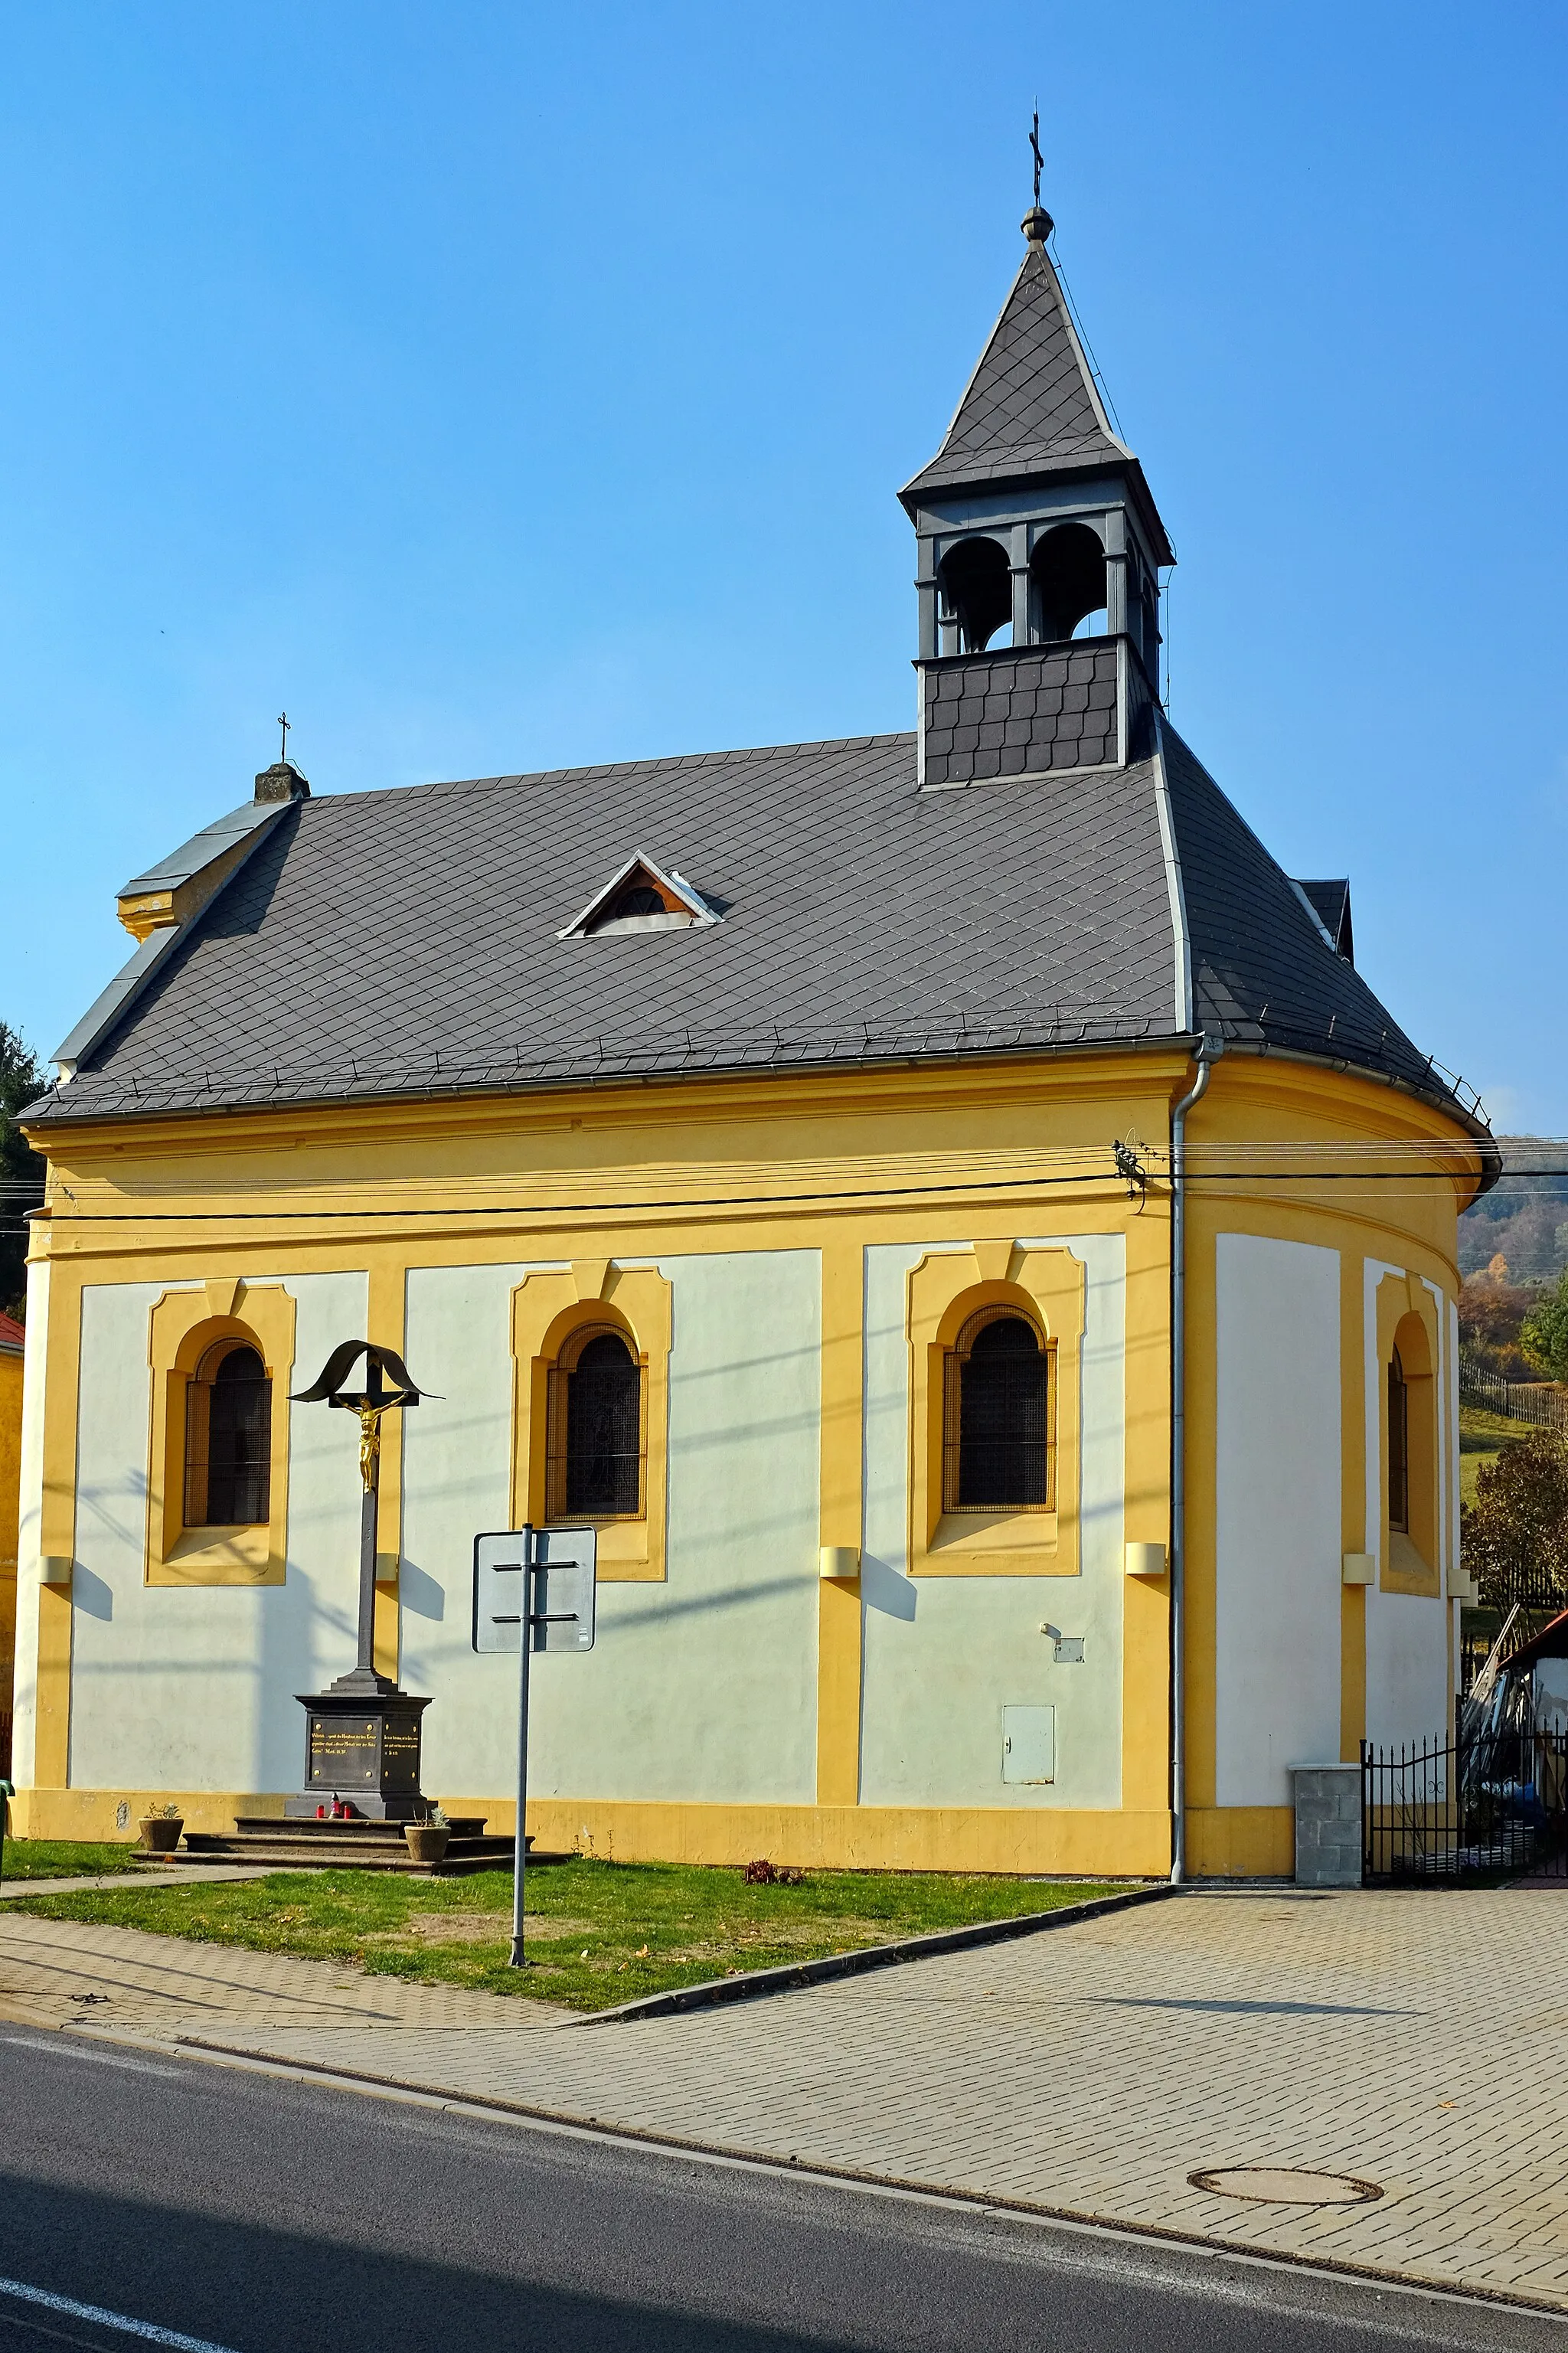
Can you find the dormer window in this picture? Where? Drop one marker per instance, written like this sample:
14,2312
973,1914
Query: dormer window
641,898
640,905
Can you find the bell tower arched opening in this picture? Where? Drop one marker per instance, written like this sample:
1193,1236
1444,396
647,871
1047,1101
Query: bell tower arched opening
1067,581
976,593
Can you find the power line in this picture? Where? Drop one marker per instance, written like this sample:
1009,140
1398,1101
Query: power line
536,1212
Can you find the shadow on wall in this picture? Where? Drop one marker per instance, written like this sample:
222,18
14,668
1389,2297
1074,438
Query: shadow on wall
90,1593
419,1593
887,1588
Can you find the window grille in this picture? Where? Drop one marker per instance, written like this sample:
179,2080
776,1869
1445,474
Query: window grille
594,1466
999,1416
1398,1447
228,1440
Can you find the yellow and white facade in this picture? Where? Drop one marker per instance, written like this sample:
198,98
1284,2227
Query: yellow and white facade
738,1700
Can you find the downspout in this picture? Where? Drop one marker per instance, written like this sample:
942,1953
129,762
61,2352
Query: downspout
1208,1054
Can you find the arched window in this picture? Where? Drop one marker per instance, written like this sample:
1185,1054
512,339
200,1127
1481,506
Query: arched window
1398,1447
999,1419
229,1440
1067,581
976,591
595,1443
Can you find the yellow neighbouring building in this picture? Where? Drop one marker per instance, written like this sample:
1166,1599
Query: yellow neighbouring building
12,1342
768,1155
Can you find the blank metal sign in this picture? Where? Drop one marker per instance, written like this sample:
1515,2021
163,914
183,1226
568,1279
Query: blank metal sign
565,1561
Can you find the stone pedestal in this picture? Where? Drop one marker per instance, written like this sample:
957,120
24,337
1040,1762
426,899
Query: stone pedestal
1329,1835
362,1743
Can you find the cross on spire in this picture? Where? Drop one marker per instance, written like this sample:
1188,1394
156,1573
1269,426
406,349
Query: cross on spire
283,720
1036,223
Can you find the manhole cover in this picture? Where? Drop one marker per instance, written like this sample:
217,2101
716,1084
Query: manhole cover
1287,2185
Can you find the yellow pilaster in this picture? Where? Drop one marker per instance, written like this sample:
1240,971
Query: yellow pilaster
838,1618
1202,1505
57,1525
389,1292
1146,1601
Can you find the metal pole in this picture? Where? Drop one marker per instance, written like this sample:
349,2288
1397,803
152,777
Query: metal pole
369,1502
520,1842
1209,1052
369,1414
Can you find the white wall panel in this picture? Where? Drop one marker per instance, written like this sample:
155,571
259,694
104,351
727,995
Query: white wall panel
1406,1667
702,1688
1278,1536
944,1655
191,1687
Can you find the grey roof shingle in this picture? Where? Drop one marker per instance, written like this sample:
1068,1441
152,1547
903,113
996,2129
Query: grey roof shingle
1261,968
404,943
1030,407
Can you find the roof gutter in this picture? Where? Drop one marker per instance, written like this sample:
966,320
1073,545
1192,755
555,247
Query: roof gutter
1208,1054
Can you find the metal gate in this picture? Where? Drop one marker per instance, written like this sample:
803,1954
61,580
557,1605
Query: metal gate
1438,1809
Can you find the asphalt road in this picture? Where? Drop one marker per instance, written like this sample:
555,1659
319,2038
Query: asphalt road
247,2212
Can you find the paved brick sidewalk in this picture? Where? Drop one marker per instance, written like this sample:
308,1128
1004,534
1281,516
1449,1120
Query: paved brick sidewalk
191,1874
65,1972
1414,2038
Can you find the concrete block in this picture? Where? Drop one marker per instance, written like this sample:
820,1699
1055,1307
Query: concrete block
1327,1803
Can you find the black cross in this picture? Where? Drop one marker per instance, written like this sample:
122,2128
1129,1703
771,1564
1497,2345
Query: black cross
1039,159
283,715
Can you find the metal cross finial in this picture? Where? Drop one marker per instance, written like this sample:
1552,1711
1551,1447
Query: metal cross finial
1039,159
283,715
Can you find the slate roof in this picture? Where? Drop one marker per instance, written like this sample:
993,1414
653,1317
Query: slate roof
1330,899
405,943
1031,406
1262,972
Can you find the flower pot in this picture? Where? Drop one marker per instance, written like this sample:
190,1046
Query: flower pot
160,1832
426,1842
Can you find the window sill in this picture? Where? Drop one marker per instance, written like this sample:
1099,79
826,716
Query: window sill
219,1557
1405,1570
624,1551
994,1543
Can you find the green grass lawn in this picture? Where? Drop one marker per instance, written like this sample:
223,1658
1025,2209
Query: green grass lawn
63,1859
1483,1436
599,1933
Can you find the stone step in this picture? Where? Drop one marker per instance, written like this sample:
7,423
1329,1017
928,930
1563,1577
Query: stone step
371,1860
344,1845
309,1826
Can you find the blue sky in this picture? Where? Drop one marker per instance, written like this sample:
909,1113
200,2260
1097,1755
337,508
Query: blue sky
500,388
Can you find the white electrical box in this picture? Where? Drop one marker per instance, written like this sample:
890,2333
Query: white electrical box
1029,1744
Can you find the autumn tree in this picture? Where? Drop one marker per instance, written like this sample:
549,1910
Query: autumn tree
1543,1335
1514,1540
1492,1311
21,1168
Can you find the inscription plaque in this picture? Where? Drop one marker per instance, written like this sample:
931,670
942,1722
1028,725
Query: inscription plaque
366,1750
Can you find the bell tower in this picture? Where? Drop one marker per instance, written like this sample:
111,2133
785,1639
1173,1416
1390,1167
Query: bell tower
1040,549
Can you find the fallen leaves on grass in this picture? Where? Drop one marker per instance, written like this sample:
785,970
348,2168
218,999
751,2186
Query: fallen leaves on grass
692,1923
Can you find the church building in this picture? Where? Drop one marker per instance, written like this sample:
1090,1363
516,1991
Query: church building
943,1206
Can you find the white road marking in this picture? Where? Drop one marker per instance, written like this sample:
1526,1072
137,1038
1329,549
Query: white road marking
100,2058
148,2330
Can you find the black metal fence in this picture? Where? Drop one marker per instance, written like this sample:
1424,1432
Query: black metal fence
1437,1810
